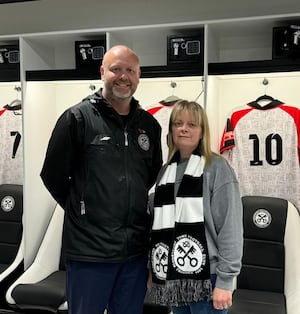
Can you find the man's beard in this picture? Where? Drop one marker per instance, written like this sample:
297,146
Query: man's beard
121,95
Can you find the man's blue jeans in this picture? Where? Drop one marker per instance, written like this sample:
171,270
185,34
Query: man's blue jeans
119,287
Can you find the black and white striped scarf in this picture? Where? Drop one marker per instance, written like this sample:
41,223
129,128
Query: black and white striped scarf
179,254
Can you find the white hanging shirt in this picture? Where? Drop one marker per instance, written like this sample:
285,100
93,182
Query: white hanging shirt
262,144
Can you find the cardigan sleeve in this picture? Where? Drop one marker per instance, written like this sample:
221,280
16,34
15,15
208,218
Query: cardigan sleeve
225,224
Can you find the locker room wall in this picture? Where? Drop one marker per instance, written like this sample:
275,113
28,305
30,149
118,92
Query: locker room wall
151,91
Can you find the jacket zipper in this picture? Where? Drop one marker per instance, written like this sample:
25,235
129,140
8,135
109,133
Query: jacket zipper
126,144
126,137
82,208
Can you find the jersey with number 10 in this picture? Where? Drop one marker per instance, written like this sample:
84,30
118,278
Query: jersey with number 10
263,146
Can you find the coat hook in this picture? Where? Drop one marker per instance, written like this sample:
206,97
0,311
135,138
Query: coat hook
173,84
265,81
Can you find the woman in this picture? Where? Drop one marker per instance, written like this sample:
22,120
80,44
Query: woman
197,233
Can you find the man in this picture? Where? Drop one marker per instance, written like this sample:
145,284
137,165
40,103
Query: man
103,156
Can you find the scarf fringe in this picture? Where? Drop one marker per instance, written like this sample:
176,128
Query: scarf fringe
181,292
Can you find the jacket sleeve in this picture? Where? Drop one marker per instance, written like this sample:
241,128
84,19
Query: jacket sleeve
60,157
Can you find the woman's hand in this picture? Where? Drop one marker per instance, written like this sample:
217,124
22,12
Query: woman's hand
222,299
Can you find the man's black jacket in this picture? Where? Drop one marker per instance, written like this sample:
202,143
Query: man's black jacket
99,168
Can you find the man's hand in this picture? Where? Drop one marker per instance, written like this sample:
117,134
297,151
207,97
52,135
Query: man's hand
149,281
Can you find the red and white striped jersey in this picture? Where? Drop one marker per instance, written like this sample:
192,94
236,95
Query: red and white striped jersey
162,112
262,144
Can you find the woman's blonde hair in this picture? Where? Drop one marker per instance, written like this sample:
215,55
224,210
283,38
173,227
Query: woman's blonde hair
200,116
